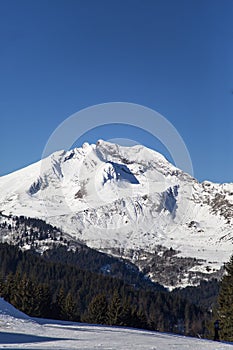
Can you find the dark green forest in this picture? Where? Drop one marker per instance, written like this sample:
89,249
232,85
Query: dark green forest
43,286
224,310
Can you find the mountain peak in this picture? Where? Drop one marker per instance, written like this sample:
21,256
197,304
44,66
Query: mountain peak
131,198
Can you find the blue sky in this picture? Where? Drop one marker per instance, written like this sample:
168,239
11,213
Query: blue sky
174,56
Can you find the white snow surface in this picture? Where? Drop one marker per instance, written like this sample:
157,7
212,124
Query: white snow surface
110,196
18,331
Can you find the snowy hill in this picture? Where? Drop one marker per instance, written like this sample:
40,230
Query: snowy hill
18,331
128,201
7,310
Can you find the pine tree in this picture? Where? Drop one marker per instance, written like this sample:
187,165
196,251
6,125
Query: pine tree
60,305
43,298
225,301
126,315
114,313
70,308
187,315
97,310
142,320
10,287
23,297
2,286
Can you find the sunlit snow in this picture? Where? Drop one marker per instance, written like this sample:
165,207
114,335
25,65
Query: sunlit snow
128,198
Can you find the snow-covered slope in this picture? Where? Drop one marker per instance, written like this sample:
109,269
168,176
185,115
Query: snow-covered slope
125,199
7,310
17,331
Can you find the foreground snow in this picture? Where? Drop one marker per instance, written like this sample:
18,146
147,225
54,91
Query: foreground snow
21,334
18,331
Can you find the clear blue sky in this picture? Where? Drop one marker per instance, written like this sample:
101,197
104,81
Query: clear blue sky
174,56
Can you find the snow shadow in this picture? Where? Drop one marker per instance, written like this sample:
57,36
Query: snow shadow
19,338
123,173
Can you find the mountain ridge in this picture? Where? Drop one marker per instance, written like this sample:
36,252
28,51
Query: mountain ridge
122,199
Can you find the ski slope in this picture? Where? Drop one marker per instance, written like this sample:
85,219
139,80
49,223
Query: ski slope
18,331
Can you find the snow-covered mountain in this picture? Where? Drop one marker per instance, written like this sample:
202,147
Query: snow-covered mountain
128,201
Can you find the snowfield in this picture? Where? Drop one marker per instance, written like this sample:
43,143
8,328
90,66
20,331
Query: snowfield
18,331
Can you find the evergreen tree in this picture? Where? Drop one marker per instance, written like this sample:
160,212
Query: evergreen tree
59,308
126,315
114,314
43,298
225,301
24,297
97,310
70,308
187,315
2,285
10,287
142,320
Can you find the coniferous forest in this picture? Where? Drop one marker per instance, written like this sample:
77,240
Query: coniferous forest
42,286
224,310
